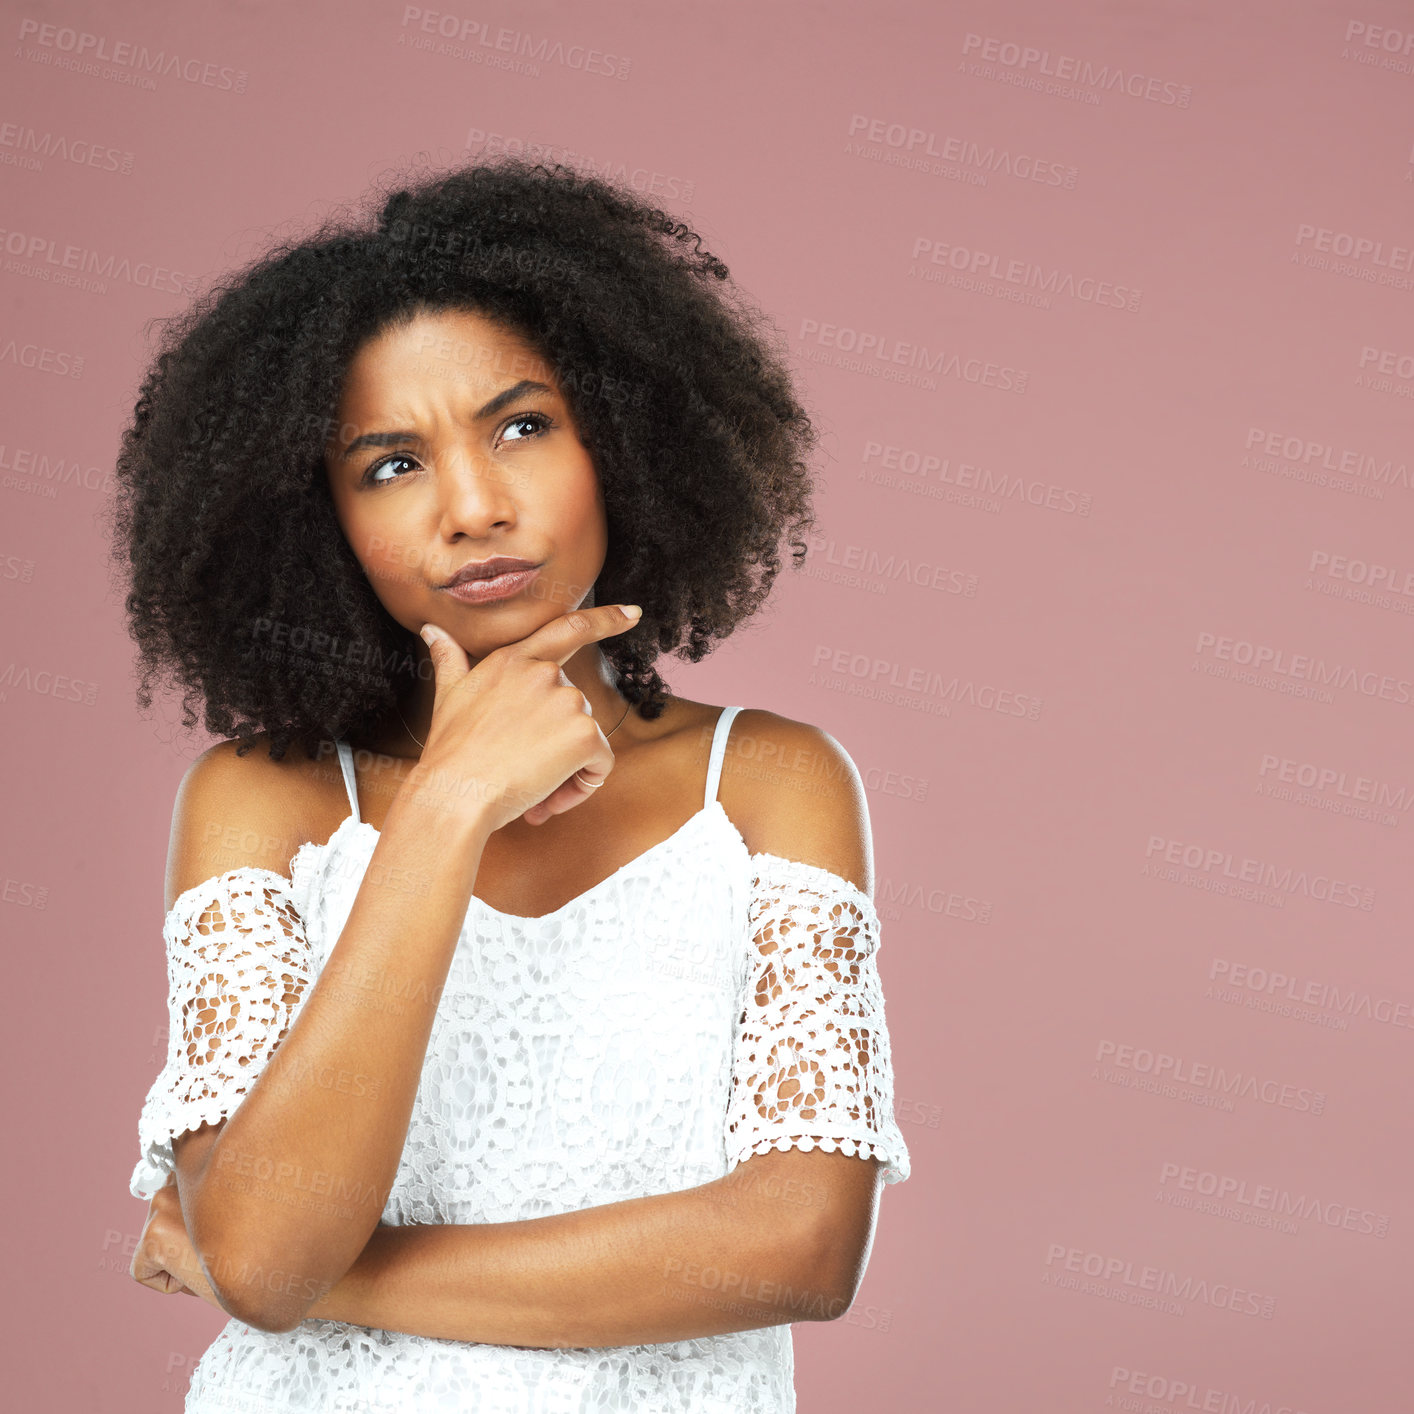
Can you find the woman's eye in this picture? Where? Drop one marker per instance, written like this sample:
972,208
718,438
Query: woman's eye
369,477
538,423
536,420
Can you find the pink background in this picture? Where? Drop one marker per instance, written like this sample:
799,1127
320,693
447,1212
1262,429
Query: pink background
1106,312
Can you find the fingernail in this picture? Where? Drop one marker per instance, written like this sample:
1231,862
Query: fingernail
632,611
425,634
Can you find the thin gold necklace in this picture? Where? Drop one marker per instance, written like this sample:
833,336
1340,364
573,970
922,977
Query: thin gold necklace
423,745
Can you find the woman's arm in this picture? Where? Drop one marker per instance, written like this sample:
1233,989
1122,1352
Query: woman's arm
782,1238
295,1177
328,1114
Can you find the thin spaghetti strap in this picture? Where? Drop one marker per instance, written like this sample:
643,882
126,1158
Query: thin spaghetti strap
719,749
346,761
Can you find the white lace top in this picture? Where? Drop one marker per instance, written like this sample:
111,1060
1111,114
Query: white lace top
632,1042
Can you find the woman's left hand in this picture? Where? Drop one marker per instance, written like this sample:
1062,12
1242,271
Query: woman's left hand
165,1259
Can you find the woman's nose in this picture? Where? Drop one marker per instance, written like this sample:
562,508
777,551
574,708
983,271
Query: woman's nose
473,493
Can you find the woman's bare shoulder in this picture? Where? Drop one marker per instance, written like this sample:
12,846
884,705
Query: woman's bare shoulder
794,791
246,811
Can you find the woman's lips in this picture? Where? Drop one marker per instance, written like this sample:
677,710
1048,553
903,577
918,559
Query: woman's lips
498,586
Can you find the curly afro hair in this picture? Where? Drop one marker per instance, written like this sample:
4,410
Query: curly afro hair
223,522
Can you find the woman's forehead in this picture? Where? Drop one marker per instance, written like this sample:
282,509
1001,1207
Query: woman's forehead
454,349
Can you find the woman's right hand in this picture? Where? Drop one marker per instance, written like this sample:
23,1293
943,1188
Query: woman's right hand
509,735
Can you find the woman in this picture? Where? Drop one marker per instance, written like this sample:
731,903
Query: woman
534,1058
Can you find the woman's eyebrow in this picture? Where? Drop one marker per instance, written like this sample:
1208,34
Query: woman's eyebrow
525,388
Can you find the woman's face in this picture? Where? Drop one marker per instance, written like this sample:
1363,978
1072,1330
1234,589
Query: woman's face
453,444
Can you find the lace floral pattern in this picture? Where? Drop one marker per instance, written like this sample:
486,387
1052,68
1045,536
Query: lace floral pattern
238,963
811,1064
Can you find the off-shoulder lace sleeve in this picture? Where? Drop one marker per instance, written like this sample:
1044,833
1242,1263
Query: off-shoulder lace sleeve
238,964
811,1064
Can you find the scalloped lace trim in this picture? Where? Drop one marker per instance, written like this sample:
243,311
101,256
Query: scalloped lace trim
860,1148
